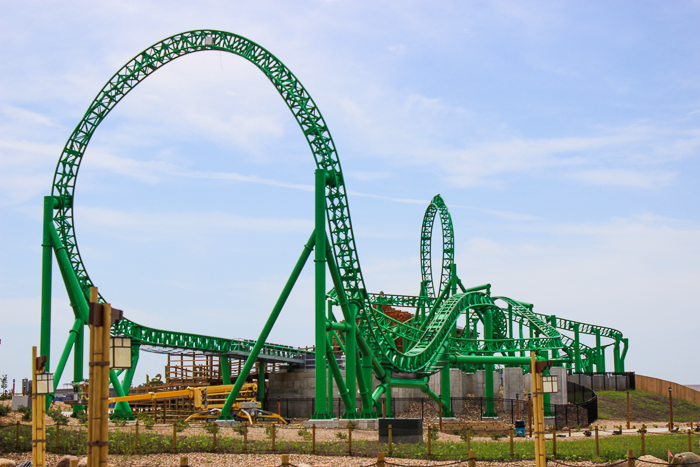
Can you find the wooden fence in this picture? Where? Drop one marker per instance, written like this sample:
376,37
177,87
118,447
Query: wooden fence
660,386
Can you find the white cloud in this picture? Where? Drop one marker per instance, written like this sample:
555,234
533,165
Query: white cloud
625,178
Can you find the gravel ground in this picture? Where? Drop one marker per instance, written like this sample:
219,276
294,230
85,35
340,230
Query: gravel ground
255,460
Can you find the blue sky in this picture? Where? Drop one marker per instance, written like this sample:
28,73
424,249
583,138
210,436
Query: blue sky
564,137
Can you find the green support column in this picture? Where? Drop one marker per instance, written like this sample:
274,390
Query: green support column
225,365
577,348
488,376
329,344
553,323
79,361
320,322
522,335
598,363
445,392
366,391
445,387
602,360
351,363
616,355
625,343
46,275
261,383
389,404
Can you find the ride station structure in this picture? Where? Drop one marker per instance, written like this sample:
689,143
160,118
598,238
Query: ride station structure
385,341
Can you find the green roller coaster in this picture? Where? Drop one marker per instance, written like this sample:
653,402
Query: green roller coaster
498,330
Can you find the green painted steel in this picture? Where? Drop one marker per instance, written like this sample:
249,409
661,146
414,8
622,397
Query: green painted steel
372,340
437,205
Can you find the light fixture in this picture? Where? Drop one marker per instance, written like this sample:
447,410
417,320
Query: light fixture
550,384
120,353
44,383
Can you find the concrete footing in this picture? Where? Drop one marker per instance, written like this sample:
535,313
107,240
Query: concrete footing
334,423
227,423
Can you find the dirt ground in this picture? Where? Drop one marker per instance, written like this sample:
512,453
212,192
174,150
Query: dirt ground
255,460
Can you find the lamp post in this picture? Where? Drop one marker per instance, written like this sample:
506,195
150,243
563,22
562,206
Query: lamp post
105,353
120,353
42,384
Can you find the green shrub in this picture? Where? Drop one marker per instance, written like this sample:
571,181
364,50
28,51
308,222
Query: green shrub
304,433
26,413
5,410
341,435
212,427
149,423
240,429
352,426
496,436
587,433
434,434
57,417
181,425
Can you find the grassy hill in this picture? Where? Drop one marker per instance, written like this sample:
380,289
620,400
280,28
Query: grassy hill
645,406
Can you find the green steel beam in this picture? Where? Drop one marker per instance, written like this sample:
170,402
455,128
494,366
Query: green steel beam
255,352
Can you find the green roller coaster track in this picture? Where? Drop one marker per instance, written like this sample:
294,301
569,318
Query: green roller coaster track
398,354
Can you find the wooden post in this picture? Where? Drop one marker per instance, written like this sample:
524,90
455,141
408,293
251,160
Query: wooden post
285,460
73,463
17,437
690,442
597,448
529,414
441,412
630,458
510,432
349,440
136,438
670,410
245,438
391,448
517,406
643,447
472,459
628,409
380,459
273,437
279,407
430,433
313,439
164,407
554,442
174,439
155,412
469,439
184,461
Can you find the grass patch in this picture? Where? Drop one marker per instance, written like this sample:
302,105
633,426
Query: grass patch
612,405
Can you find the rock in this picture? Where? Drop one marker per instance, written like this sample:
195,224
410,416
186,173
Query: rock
82,462
65,461
7,463
685,458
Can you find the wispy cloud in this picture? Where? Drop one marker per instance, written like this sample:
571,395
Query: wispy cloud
625,178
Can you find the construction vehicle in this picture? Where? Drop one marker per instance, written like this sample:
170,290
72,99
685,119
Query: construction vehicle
203,398
251,415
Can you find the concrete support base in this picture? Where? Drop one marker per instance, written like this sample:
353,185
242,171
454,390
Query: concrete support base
362,423
227,423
